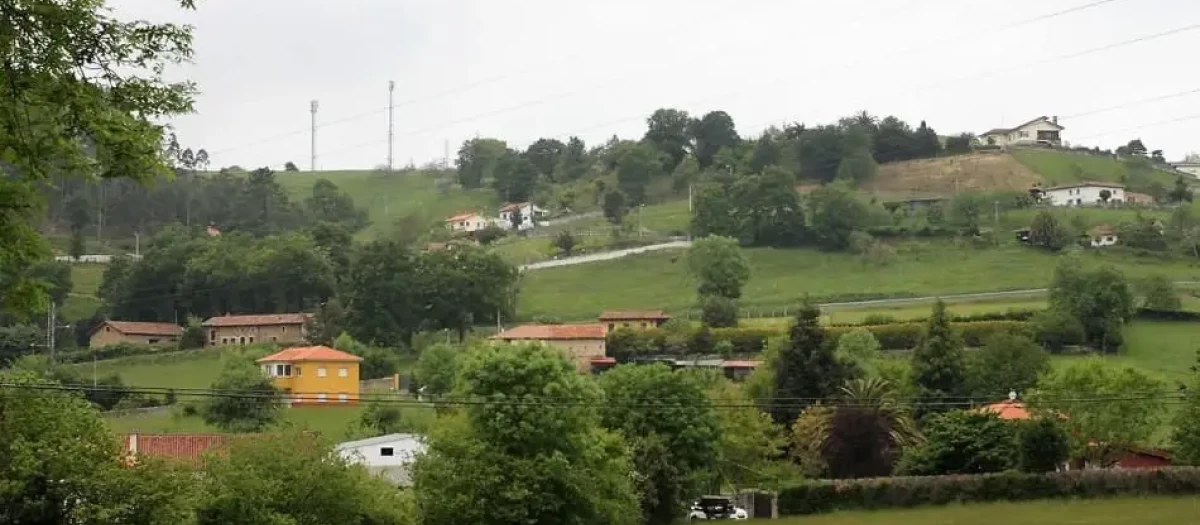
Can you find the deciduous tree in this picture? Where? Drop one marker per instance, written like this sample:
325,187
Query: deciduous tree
253,402
667,131
520,458
713,131
719,265
85,99
1007,362
674,449
962,442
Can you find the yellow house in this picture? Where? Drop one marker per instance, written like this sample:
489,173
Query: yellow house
314,375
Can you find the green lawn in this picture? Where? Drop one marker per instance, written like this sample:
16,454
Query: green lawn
188,369
331,422
389,196
85,281
1059,167
781,277
1143,511
904,312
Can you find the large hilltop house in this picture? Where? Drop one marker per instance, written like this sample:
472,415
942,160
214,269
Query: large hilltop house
1084,194
250,329
582,343
1041,130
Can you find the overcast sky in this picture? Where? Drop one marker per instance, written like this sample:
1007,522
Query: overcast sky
523,69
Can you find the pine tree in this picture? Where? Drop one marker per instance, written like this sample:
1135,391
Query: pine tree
806,369
937,362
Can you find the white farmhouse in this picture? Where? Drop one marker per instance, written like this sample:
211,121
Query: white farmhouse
1041,130
1102,236
468,222
530,213
1084,194
1191,168
390,456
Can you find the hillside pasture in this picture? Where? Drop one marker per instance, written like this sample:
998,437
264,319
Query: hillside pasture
1117,511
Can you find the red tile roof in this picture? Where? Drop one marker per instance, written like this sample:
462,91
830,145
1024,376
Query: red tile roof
310,353
548,332
256,320
140,328
604,361
184,448
629,315
1010,410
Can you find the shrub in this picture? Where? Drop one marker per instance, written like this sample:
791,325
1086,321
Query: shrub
897,492
975,333
718,312
1056,329
746,340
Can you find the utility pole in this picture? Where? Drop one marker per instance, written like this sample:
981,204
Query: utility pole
640,208
51,324
100,211
446,154
137,244
391,121
312,163
996,213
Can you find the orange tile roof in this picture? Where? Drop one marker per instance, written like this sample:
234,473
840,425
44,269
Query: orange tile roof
256,320
513,205
1010,410
461,216
185,448
549,332
310,353
140,328
628,315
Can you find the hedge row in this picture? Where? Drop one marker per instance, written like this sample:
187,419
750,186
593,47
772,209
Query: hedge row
883,493
623,344
1009,315
905,336
1167,315
112,352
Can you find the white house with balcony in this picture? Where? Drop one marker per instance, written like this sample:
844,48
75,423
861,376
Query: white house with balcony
1084,194
468,222
529,212
1041,130
390,456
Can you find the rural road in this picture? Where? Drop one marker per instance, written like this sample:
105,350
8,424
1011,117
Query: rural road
605,256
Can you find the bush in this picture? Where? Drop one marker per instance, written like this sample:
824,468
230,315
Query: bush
718,312
1167,315
900,492
746,340
904,336
1056,329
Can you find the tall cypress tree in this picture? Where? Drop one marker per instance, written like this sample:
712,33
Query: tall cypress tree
937,362
806,369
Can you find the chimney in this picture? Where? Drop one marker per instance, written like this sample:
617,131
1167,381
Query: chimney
1054,119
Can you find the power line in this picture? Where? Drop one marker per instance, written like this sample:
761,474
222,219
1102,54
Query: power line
1133,103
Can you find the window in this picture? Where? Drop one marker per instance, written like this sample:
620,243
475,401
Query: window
107,329
273,339
612,326
283,329
283,370
320,371
297,370
387,451
151,341
242,340
320,398
251,339
343,372
343,398
212,335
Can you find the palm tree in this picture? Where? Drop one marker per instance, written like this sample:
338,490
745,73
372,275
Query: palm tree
878,395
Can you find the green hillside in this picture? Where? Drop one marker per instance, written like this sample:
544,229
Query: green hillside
780,277
1060,167
1118,511
390,196
83,301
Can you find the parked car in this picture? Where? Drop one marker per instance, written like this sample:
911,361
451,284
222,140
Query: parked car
716,508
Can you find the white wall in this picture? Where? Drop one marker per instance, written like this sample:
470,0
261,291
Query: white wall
470,224
1083,196
529,213
404,450
1190,169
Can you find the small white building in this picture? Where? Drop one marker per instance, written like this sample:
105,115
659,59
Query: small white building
1102,236
530,215
468,222
1041,130
389,456
1084,194
1191,168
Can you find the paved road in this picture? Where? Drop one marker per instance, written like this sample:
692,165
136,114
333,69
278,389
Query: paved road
605,256
100,259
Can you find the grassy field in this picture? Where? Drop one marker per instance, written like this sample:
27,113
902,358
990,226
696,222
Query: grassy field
1144,511
387,197
187,369
1059,167
331,422
781,277
85,281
